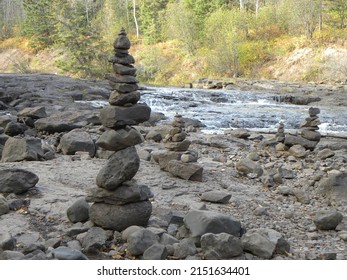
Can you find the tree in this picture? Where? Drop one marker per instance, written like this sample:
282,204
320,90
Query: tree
39,22
339,7
11,15
308,12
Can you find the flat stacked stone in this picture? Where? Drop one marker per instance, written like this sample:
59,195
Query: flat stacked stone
119,201
182,162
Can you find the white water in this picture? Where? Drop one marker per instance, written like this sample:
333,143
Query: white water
222,109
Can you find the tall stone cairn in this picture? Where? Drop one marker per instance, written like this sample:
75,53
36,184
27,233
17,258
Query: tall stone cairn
119,201
183,164
280,133
309,128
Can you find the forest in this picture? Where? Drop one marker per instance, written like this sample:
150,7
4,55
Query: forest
175,41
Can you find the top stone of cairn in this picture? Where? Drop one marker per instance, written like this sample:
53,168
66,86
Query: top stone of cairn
122,42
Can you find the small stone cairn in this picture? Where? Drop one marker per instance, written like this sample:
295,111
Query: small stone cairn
309,128
183,161
309,134
119,201
280,133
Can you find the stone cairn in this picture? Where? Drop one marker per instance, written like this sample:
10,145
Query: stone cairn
309,134
280,133
309,128
178,160
119,201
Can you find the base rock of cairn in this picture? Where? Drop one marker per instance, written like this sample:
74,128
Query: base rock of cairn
310,135
178,160
119,201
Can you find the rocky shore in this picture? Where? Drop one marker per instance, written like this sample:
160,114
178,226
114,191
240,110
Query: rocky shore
257,198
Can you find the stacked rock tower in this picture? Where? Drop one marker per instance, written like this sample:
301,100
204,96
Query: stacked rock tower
309,128
182,161
119,201
280,133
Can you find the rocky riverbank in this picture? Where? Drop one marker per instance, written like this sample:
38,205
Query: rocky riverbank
258,199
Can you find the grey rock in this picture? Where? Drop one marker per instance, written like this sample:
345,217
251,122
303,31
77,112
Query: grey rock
121,99
126,60
115,140
128,231
66,253
185,248
5,119
334,186
167,239
124,69
116,78
120,217
128,192
178,146
16,180
216,196
14,128
291,140
123,87
77,140
287,173
302,196
261,211
285,190
297,151
15,203
200,222
95,238
261,242
53,242
154,135
247,166
327,220
12,255
311,135
326,153
122,166
238,133
66,121
140,241
78,211
187,171
155,252
118,117
4,207
7,242
163,157
16,149
37,112
220,246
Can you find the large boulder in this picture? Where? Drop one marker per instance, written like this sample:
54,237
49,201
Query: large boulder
19,149
4,206
119,217
66,121
16,180
77,140
122,166
200,222
163,157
